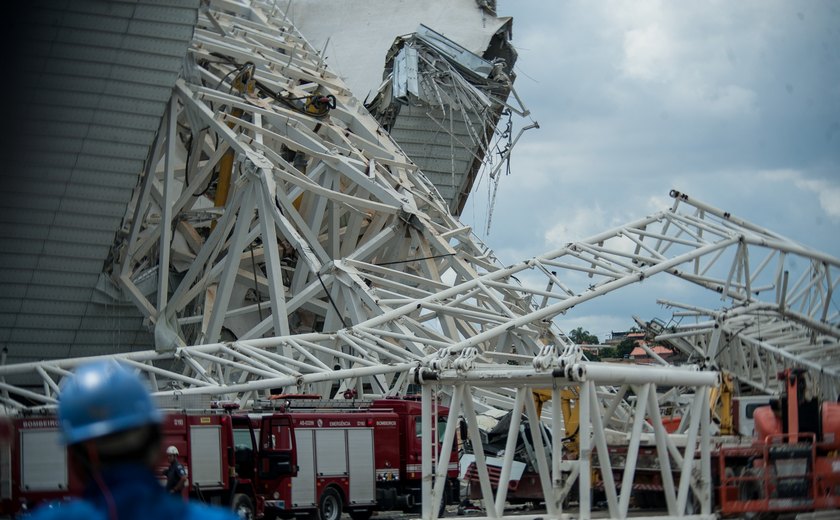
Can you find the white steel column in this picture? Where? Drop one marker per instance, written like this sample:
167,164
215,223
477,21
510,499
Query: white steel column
274,272
633,449
604,457
166,207
556,449
445,449
705,456
429,443
227,279
585,452
542,462
662,452
478,448
510,448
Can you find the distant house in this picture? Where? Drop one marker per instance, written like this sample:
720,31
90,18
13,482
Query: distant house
640,355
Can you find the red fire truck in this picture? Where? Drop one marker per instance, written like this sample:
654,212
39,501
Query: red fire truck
284,458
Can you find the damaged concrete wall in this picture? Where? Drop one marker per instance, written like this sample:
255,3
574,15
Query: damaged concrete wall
442,103
356,34
435,74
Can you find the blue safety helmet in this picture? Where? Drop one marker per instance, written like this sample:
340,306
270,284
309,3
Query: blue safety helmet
103,398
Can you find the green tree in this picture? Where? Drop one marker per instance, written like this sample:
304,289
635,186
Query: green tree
624,348
583,337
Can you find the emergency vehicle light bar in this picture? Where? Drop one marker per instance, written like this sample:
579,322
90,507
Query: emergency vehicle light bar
311,404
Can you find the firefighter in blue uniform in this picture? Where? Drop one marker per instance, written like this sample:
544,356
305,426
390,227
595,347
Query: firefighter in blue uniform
176,475
112,429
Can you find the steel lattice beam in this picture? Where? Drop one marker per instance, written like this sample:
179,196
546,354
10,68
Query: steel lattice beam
754,342
558,474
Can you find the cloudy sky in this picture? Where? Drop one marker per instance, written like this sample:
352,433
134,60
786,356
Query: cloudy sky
735,103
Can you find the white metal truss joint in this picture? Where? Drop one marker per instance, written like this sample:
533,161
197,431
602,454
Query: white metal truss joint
442,359
546,358
466,360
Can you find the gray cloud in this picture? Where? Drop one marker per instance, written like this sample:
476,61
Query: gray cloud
734,103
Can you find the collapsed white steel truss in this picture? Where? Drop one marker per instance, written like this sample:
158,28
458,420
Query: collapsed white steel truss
754,342
414,320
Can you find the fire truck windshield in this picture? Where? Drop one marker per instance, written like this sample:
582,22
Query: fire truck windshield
242,439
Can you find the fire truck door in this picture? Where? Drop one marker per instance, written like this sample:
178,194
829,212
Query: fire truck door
362,471
43,461
330,453
206,456
277,452
303,485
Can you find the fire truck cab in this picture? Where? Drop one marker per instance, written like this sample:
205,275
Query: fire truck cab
330,456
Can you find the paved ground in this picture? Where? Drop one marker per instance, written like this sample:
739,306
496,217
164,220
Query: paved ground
452,513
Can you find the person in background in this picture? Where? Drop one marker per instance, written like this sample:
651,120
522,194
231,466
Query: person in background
176,475
112,429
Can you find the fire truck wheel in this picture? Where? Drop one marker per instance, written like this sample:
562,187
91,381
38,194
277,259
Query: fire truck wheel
330,506
243,507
